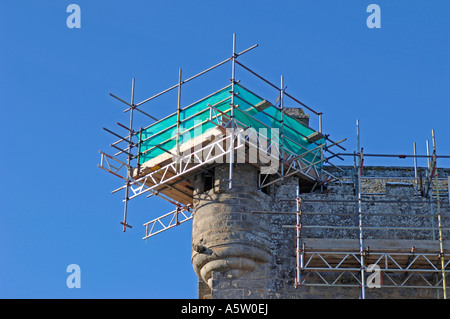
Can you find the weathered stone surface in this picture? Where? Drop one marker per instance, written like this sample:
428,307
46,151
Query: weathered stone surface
235,240
244,255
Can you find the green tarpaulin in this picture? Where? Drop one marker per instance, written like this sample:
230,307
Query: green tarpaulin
194,122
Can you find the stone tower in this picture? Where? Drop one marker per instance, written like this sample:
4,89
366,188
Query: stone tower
305,228
240,252
226,236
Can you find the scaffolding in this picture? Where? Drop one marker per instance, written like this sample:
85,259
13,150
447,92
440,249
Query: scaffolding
398,263
231,125
234,125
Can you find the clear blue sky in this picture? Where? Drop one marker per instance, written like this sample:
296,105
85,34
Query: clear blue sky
55,204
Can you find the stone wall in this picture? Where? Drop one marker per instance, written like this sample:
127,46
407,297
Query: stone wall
239,252
226,236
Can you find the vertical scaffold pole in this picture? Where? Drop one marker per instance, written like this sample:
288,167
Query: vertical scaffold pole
415,167
361,244
441,244
321,153
298,249
282,128
233,68
428,193
178,120
129,173
138,161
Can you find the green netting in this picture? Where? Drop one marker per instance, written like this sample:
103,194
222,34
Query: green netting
163,133
161,136
294,133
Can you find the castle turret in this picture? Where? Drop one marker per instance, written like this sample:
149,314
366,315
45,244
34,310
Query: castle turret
226,236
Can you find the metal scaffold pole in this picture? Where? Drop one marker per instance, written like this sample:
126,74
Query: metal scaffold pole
416,181
282,127
129,172
178,120
427,191
361,244
298,249
233,79
441,244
